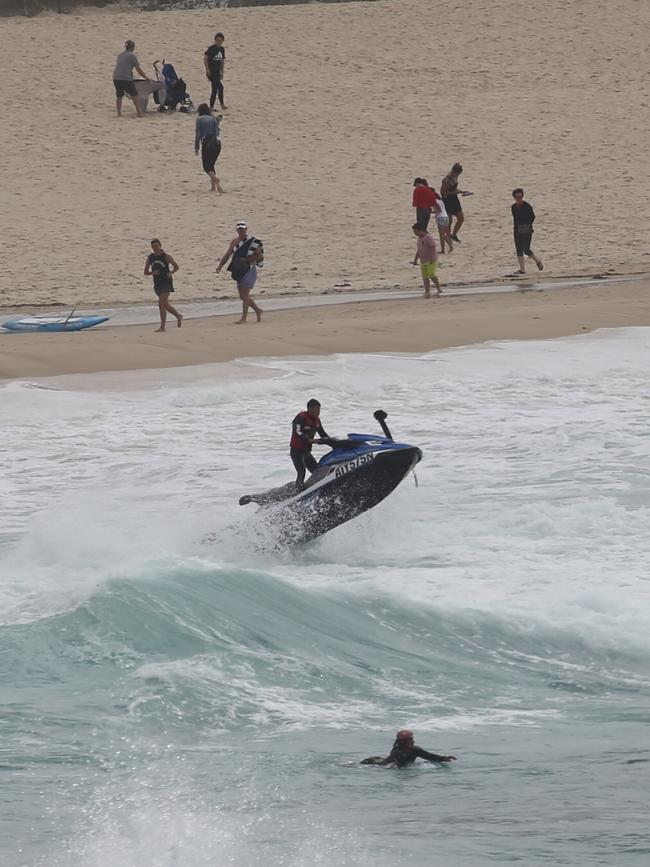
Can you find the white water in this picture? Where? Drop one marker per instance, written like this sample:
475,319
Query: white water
500,606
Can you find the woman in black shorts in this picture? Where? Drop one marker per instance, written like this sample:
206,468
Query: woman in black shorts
207,136
162,266
523,218
450,192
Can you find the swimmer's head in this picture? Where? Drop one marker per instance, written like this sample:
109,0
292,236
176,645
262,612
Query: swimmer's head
129,45
404,736
156,246
457,168
218,38
518,193
417,182
419,229
204,108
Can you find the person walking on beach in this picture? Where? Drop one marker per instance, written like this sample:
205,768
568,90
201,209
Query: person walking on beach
162,266
428,255
246,254
207,136
450,193
442,221
523,218
424,200
123,77
214,61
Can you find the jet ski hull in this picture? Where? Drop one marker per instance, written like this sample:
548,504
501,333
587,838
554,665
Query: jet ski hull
337,492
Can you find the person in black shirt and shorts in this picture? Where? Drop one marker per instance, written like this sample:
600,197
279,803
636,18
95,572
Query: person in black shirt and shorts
523,218
214,60
162,266
450,196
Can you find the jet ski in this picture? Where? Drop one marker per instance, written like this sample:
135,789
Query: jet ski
355,476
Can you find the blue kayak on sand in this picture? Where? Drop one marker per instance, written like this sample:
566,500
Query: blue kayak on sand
53,323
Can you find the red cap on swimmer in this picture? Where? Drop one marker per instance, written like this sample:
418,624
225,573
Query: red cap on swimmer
404,735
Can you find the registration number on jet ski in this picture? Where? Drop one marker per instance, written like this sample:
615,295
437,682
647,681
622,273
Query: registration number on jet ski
347,467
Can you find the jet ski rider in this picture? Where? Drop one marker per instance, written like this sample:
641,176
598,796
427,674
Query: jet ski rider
304,428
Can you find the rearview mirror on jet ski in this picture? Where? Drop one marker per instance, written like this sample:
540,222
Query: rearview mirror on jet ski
381,416
355,476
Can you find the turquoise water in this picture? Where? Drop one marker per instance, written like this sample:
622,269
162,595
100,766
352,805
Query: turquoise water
168,701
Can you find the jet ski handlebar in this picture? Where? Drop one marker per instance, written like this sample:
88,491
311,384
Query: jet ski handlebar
334,443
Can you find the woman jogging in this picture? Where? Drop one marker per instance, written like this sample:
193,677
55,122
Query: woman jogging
523,218
161,266
207,137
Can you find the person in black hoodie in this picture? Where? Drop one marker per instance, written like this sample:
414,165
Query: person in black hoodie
523,218
405,752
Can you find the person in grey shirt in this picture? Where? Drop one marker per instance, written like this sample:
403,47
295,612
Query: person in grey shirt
207,136
123,77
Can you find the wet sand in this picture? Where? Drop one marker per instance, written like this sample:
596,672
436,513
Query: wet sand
412,325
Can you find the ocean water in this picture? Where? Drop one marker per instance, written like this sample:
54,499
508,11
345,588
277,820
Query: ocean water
170,701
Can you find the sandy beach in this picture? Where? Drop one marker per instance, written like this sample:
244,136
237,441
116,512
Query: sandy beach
333,110
412,325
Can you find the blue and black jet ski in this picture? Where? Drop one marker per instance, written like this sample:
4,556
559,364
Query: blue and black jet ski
355,476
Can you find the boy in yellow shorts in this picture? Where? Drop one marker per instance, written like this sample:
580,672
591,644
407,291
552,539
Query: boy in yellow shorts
428,255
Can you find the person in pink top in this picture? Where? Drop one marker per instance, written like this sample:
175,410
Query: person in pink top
428,255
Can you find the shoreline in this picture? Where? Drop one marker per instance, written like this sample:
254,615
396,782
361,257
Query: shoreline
402,325
342,293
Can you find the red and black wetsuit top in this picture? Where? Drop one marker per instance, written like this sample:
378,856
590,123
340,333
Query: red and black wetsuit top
304,428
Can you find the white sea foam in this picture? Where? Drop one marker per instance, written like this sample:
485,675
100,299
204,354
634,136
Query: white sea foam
533,498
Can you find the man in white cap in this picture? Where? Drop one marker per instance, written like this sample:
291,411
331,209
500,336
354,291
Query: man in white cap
246,254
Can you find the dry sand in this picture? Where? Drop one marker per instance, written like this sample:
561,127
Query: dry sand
411,325
333,110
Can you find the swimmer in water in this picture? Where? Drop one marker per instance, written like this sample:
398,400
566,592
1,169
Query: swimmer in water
405,752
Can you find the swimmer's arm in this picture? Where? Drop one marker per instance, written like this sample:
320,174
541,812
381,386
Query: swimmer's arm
433,757
206,63
147,268
226,255
171,261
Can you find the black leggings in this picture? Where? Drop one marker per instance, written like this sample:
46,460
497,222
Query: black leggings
302,461
217,90
210,150
423,215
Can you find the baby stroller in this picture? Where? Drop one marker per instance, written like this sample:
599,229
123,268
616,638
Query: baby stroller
173,95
